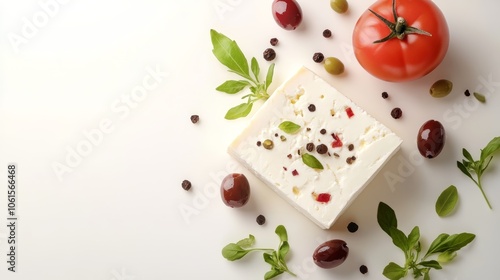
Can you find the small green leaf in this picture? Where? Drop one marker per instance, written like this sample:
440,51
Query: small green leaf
283,250
431,264
269,76
399,239
254,65
446,257
272,273
447,201
394,272
464,170
289,127
246,242
492,147
281,232
386,217
311,161
229,53
239,111
479,97
467,155
232,86
233,252
270,259
413,238
436,243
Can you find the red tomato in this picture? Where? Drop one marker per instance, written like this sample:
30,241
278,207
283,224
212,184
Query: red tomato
407,58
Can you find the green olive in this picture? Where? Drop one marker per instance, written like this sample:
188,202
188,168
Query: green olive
339,6
441,88
268,144
334,66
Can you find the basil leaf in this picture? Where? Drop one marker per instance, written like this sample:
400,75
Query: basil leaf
289,127
311,161
233,252
283,250
446,257
413,238
467,155
464,170
270,259
456,242
394,271
437,242
386,217
246,242
431,264
232,86
450,243
269,76
399,239
447,201
491,148
281,232
229,53
254,65
272,273
239,111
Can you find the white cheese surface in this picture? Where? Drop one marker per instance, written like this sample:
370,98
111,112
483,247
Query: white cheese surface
320,194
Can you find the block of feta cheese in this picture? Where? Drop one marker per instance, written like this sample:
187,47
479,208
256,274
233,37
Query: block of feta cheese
314,147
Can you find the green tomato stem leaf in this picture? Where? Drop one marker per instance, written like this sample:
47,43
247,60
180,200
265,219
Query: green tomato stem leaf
399,239
394,272
311,161
232,86
239,111
386,218
464,169
283,250
447,201
467,155
289,127
436,243
229,53
270,259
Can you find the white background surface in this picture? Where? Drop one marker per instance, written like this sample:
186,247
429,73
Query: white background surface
117,215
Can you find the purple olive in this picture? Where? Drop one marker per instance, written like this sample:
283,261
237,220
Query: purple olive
235,190
331,253
287,13
430,139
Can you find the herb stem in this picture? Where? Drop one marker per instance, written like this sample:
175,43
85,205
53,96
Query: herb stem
478,183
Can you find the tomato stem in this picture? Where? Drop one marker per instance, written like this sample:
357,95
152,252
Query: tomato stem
399,28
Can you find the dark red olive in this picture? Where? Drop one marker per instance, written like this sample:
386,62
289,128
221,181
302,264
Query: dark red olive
235,190
331,253
287,13
430,139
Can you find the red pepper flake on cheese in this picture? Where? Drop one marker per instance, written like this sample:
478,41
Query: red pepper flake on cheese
295,172
349,112
323,197
337,143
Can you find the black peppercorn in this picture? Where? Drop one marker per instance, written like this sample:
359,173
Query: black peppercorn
261,219
186,185
327,33
273,41
269,54
322,149
318,57
396,113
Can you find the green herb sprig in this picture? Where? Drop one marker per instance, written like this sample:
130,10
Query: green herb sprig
469,166
230,55
445,245
276,258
